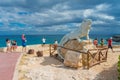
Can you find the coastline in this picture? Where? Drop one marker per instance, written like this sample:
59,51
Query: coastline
37,47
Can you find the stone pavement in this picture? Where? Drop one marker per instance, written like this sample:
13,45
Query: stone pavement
7,65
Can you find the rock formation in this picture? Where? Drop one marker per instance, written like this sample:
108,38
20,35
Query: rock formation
82,31
73,58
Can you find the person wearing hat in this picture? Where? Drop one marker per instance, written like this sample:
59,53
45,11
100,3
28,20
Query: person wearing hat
110,44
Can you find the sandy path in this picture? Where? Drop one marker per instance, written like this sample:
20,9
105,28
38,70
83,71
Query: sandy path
48,68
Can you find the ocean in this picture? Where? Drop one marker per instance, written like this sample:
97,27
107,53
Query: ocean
37,39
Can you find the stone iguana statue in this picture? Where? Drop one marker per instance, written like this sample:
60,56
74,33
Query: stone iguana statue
82,31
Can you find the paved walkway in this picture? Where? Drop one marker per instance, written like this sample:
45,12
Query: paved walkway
7,65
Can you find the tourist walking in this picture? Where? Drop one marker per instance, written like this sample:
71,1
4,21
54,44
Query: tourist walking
24,40
110,44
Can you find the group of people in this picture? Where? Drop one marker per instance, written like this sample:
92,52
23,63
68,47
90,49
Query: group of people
109,43
11,45
44,41
95,42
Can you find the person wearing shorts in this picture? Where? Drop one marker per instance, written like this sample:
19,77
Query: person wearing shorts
24,43
8,44
14,45
43,41
110,44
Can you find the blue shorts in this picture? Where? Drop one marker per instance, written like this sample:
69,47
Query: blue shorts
24,44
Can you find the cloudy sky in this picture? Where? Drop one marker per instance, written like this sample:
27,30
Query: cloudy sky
58,16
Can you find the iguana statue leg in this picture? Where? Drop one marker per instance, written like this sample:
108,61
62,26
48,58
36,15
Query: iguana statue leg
87,37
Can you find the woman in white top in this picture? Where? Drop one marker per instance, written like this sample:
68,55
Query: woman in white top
8,44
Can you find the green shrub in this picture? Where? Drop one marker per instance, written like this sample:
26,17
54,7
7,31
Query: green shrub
119,68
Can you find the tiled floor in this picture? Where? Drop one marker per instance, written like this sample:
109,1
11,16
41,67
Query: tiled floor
7,65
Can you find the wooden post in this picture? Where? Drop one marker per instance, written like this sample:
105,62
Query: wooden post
50,50
106,54
88,65
99,58
83,60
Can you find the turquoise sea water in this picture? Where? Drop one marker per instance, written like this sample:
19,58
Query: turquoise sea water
37,39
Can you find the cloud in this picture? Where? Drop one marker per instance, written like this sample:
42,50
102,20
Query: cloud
55,15
98,22
104,16
12,3
103,7
88,12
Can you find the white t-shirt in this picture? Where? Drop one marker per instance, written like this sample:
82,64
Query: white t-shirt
43,40
56,42
8,44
